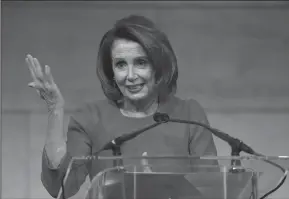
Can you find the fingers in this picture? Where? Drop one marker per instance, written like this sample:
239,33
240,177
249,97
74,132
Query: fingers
38,68
35,85
49,75
31,68
35,69
145,164
37,73
39,88
31,63
32,84
43,82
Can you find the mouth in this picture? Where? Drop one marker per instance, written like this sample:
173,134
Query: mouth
135,88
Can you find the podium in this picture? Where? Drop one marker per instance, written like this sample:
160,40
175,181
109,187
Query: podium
181,177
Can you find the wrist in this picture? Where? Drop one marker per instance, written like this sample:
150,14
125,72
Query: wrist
56,108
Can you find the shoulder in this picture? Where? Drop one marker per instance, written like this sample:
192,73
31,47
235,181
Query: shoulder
191,106
190,103
197,112
195,107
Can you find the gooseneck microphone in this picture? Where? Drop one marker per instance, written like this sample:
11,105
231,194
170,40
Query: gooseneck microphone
113,145
126,137
116,143
159,118
237,146
235,143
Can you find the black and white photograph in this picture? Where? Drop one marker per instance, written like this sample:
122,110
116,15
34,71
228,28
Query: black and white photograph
144,99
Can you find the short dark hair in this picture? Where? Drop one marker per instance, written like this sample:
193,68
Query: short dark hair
157,47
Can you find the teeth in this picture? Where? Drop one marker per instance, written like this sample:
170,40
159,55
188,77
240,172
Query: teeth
135,86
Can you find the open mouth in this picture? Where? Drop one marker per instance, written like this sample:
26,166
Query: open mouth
134,88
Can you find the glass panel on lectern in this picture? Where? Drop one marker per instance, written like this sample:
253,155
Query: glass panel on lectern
177,177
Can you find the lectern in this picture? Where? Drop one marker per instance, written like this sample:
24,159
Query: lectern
183,177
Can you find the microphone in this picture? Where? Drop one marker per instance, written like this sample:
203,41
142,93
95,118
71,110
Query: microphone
233,142
116,143
126,137
159,118
113,145
236,145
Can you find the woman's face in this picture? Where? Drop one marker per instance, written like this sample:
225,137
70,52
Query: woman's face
132,70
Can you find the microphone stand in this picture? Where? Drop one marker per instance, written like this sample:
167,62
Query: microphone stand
115,144
116,151
236,145
236,165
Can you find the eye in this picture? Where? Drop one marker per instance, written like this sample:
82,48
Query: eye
141,62
120,64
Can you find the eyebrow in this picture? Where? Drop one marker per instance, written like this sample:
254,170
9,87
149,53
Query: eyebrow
138,57
142,57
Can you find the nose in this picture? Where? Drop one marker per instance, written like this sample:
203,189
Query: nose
131,76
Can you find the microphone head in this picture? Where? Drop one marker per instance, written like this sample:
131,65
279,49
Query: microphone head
161,117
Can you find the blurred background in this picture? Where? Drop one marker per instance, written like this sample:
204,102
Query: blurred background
233,58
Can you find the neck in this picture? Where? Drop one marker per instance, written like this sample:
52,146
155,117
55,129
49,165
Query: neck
139,108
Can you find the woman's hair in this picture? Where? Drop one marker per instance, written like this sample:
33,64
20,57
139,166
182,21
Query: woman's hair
157,47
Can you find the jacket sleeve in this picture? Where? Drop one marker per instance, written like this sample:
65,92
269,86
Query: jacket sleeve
78,144
200,140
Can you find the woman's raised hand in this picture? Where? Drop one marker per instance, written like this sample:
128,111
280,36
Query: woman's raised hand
44,84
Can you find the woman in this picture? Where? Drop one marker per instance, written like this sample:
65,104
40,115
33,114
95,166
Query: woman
138,72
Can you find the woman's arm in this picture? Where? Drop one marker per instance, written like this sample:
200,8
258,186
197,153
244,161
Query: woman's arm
57,151
55,143
55,164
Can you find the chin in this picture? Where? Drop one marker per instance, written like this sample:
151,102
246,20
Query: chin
136,96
